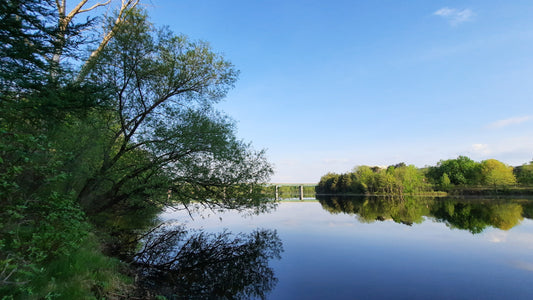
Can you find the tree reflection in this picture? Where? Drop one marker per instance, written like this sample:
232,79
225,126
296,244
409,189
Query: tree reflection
474,215
467,216
182,265
405,210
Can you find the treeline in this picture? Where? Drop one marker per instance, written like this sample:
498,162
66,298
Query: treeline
102,117
447,175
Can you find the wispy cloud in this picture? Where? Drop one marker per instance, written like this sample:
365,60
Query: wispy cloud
496,236
512,150
480,149
455,16
508,122
523,265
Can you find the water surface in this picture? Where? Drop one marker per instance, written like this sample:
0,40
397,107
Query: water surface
365,248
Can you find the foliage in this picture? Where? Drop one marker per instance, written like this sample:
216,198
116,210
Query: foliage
445,182
135,130
460,176
401,179
40,219
524,174
327,183
460,171
85,273
496,173
164,133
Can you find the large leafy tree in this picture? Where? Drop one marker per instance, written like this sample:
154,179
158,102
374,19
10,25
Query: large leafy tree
524,174
460,171
163,132
328,183
367,179
412,180
39,218
121,124
496,173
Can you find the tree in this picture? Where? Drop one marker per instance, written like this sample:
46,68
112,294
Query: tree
387,184
445,182
410,177
524,174
39,217
496,173
367,179
163,132
460,171
24,42
66,27
139,122
328,183
345,183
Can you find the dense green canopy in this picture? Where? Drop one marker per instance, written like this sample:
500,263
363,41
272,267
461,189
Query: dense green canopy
130,124
402,179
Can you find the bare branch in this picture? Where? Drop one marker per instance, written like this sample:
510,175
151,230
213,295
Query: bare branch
66,19
94,6
59,6
126,5
75,11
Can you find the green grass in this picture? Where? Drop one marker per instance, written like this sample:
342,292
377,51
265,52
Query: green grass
84,274
492,191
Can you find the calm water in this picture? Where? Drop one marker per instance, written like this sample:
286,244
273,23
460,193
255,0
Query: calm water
365,248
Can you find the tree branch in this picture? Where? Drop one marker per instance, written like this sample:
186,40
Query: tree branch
126,5
94,6
74,11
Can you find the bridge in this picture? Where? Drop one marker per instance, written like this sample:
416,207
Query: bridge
300,187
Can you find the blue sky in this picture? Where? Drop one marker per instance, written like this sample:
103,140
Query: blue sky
329,85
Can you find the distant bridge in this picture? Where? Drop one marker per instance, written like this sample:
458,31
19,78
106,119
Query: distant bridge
299,185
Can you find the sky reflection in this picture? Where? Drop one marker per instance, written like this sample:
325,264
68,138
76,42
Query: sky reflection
337,256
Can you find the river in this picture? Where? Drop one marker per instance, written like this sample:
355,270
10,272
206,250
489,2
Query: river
355,248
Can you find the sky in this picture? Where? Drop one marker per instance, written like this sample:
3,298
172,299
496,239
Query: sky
325,86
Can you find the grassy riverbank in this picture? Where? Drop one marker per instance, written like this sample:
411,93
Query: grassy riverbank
491,191
85,273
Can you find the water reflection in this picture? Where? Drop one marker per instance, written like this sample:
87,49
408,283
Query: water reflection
472,215
330,254
182,264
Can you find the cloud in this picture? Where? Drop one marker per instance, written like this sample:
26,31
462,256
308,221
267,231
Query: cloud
455,16
508,122
481,149
523,265
513,150
497,236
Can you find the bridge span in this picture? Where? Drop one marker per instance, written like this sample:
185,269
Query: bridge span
300,187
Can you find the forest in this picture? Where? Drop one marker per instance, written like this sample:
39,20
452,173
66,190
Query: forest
461,175
105,119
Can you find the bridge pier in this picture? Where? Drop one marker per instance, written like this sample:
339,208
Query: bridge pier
292,190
